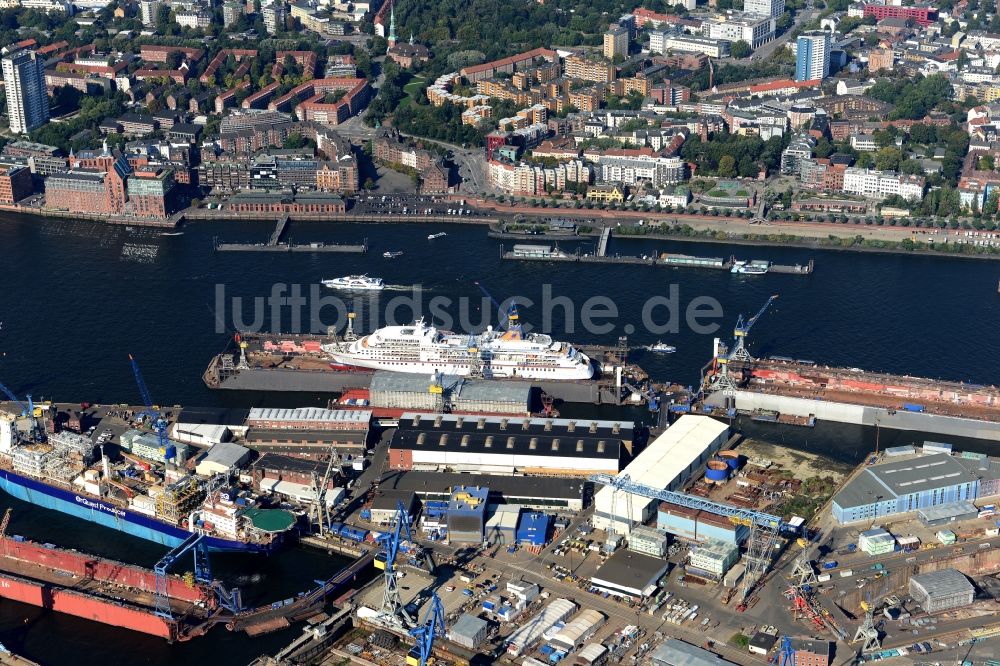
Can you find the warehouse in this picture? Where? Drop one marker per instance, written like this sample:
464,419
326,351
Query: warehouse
308,443
385,506
400,390
308,418
943,514
201,434
630,573
468,631
665,464
531,631
942,590
147,445
592,654
648,541
698,526
533,529
502,445
501,526
223,458
467,514
578,630
544,494
234,419
915,483
675,652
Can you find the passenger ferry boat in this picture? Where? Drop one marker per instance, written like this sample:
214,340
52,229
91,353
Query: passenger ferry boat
422,348
751,267
355,283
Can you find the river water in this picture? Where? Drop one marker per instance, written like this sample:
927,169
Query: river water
79,297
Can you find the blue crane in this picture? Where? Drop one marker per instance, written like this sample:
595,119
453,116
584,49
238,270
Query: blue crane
786,654
13,398
390,542
28,411
195,543
158,422
432,627
742,329
511,322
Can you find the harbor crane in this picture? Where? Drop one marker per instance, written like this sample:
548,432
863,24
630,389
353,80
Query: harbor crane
27,411
156,418
785,655
195,543
318,509
717,375
764,528
431,628
392,605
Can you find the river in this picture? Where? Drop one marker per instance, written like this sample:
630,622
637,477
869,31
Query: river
79,297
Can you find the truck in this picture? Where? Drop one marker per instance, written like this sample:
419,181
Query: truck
846,573
823,577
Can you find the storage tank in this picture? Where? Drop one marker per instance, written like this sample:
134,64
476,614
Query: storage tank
717,471
731,458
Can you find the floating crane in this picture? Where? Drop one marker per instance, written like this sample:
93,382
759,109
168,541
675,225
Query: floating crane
764,528
156,418
717,374
432,627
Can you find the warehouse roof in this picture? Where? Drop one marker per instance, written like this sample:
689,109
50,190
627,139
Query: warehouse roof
309,414
467,626
502,487
948,511
512,425
459,387
213,416
944,582
226,454
630,572
813,646
675,652
913,475
509,442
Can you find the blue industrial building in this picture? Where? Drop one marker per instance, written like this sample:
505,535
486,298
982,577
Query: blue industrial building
916,483
467,514
698,526
533,529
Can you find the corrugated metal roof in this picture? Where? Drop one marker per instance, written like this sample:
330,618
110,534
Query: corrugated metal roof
309,414
226,454
467,626
675,652
943,582
581,624
463,389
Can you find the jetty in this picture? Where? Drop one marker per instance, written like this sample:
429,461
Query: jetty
346,248
536,252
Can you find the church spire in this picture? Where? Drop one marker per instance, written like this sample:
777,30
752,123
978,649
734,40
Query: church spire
392,24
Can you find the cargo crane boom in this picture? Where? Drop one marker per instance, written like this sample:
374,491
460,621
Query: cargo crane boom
392,605
717,375
432,627
764,528
157,420
26,411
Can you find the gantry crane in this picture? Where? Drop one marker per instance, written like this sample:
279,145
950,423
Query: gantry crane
228,599
431,628
318,510
156,418
717,374
764,528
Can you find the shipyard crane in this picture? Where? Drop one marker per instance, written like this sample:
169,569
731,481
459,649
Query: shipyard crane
318,509
392,605
432,627
717,374
156,418
785,656
764,528
195,543
511,322
26,411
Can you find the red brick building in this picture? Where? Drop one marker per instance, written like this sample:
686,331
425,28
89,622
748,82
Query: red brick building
149,192
922,16
15,184
317,203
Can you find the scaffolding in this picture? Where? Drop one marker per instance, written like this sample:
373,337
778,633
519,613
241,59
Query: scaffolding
176,501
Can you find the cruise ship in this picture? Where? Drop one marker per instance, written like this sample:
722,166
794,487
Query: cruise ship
422,348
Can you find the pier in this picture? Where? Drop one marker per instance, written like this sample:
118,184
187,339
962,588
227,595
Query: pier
343,248
602,245
279,231
550,253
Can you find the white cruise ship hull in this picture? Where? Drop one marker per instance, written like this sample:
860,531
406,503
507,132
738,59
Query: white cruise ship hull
499,368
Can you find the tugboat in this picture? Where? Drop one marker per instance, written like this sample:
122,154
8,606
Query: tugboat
662,348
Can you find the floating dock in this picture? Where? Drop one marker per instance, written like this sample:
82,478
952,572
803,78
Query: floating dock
345,248
795,388
275,362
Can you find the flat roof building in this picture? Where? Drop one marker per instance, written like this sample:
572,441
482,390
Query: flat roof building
665,464
630,573
545,493
674,652
468,631
223,458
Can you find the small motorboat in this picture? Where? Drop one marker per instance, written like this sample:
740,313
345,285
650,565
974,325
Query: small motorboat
392,254
662,348
440,234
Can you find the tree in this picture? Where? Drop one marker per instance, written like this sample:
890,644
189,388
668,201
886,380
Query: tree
986,163
888,159
727,166
740,49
